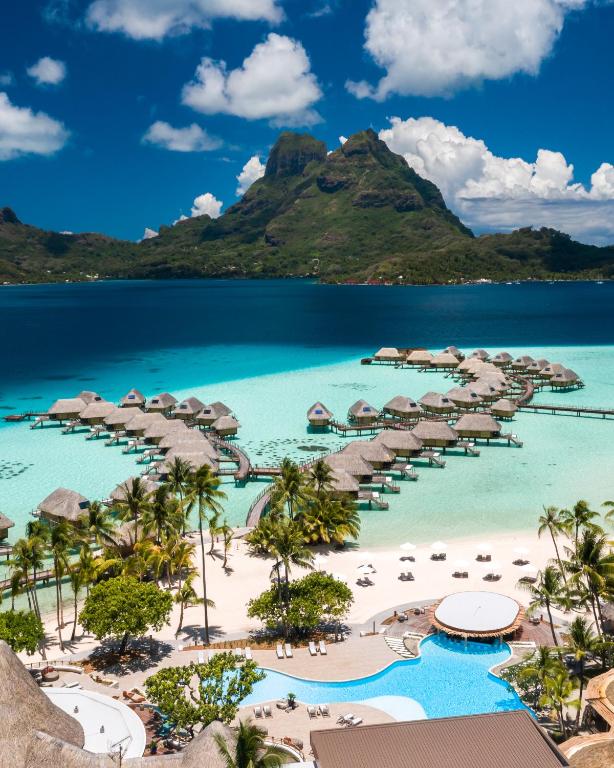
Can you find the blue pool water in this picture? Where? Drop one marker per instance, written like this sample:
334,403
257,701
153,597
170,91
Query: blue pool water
446,680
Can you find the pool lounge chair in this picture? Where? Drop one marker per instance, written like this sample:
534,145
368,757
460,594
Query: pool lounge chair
312,648
201,657
311,711
345,719
267,710
238,652
322,647
280,651
324,710
257,712
248,653
288,649
355,720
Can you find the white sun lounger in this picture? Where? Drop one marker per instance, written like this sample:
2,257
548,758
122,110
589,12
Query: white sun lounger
312,648
346,718
324,710
201,657
257,712
267,710
280,651
311,711
238,652
322,646
355,720
289,653
248,654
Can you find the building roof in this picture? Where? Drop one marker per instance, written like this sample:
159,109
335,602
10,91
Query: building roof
552,368
133,397
434,430
88,396
369,451
67,406
502,357
221,409
121,416
454,351
464,396
223,423
388,353
469,364
523,361
163,400
195,458
143,420
445,358
343,482
481,354
362,408
436,400
495,740
190,405
504,406
419,356
399,440
64,503
403,404
5,522
319,411
352,463
120,491
97,409
162,428
484,388
565,376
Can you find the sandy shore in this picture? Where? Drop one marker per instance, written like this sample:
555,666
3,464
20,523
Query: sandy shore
247,576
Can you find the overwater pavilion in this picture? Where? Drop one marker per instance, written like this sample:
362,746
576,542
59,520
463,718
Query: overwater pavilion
402,408
319,416
132,398
62,504
362,413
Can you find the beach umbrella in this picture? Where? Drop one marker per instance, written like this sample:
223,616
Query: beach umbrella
408,546
319,561
484,546
439,546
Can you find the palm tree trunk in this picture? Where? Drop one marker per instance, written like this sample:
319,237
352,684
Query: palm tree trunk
202,557
577,725
57,604
556,642
74,625
181,604
558,556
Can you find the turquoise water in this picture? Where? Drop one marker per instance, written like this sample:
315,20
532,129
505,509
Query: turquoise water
447,679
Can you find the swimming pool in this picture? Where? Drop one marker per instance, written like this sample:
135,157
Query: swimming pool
447,679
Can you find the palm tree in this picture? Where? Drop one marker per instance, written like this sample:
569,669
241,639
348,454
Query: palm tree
27,558
580,516
539,667
321,477
77,580
204,492
289,488
61,539
582,643
214,529
552,522
178,481
181,558
325,519
546,593
592,566
163,515
97,524
186,596
558,695
134,504
249,750
227,533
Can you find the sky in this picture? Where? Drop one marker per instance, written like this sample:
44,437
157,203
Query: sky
118,116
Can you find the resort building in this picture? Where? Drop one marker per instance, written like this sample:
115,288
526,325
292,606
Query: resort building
480,354
96,412
188,409
353,464
388,355
488,392
503,408
496,740
534,368
477,425
159,429
62,504
464,398
196,460
342,483
89,397
225,426
139,423
522,363
132,398
550,370
452,350
118,418
210,413
162,403
433,402
67,408
362,413
435,434
477,615
402,408
377,454
319,415
182,437
502,359
5,525
565,379
402,443
469,365
419,358
445,361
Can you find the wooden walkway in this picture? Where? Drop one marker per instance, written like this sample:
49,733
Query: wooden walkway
44,576
573,410
239,456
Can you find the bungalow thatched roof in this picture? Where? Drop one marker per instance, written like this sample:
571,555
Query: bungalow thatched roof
428,430
464,396
419,356
120,491
399,440
221,409
522,362
319,411
162,428
97,409
190,406
504,407
223,423
362,408
193,442
343,482
566,376
388,353
480,354
445,359
141,421
5,522
454,351
436,400
67,406
351,463
477,422
469,365
186,435
537,365
163,401
121,416
196,459
89,397
133,397
370,451
404,405
483,388
552,369
502,358
63,504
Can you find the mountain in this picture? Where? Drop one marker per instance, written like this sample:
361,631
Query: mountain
359,213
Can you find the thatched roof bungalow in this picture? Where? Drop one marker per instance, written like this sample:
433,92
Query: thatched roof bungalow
435,434
63,504
487,391
469,365
502,359
120,492
353,464
402,407
225,426
5,525
477,425
196,460
89,397
463,397
480,354
401,442
362,413
162,403
455,351
375,453
118,418
182,436
565,379
434,402
521,363
159,429
445,361
96,412
388,355
139,423
550,370
188,408
319,415
209,413
66,408
419,357
503,409
343,483
132,398
535,368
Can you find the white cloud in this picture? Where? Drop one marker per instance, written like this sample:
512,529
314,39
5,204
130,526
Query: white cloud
207,204
193,138
6,79
275,81
24,132
148,234
251,172
435,47
157,19
492,192
47,71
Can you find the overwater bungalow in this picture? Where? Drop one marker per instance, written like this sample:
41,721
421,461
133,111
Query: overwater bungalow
464,398
434,402
565,379
119,492
534,368
455,351
469,365
162,403
362,413
188,409
444,361
500,383
401,442
353,464
477,425
503,409
62,504
419,358
159,429
319,415
89,397
502,360
138,424
550,370
521,363
225,426
402,408
221,408
118,418
487,391
388,355
132,398
342,483
480,354
195,459
5,525
96,411
375,453
175,437
66,408
435,434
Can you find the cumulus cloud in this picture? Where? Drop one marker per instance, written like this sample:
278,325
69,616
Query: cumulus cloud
207,204
148,234
435,47
192,138
157,19
492,192
251,172
275,81
23,131
47,71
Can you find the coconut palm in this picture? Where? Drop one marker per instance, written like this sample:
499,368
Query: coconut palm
553,522
582,642
328,519
26,560
61,539
249,749
321,477
558,695
546,592
182,553
77,581
578,517
97,523
204,492
163,515
227,533
592,567
134,504
186,596
539,667
288,491
178,481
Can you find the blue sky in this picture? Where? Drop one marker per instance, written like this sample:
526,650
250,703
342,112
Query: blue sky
117,115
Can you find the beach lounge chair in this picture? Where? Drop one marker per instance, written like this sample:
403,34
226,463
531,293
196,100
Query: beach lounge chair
201,657
355,720
312,648
324,710
280,651
311,711
267,710
238,652
248,653
322,646
345,719
257,712
288,649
